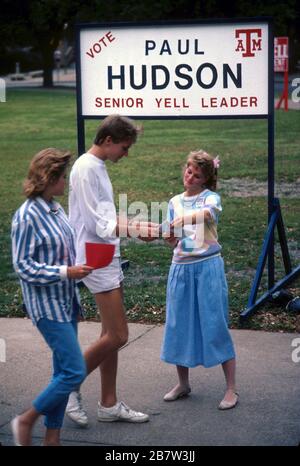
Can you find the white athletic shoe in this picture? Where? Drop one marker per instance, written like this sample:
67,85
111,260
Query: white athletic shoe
120,412
75,411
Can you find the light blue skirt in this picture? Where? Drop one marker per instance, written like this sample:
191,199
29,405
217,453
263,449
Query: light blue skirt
196,329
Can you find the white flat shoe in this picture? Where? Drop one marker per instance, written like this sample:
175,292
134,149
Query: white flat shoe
228,404
174,396
15,431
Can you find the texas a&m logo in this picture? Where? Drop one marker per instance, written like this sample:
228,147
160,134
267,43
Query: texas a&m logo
248,41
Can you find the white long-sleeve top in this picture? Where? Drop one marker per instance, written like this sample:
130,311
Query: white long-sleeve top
92,212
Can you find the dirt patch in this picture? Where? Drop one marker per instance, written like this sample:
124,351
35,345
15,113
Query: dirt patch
240,274
249,187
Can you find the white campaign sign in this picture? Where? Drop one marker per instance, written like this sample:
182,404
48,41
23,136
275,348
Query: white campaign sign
175,70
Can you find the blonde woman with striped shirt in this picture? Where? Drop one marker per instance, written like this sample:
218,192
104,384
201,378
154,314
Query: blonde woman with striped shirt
44,257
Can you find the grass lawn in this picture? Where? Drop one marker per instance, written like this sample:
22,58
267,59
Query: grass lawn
34,119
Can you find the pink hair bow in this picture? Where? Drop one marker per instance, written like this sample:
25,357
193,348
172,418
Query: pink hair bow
216,162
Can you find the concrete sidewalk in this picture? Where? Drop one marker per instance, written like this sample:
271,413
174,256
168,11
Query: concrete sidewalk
268,383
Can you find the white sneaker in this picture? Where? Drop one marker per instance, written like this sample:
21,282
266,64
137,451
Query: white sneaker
120,412
75,411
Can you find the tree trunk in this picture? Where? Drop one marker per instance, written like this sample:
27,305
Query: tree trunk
48,79
48,64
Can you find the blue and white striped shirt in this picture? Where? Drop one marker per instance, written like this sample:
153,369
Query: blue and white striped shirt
42,248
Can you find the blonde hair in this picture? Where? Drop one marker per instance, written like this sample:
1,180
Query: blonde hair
45,168
205,161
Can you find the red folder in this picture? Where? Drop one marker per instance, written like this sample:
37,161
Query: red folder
99,254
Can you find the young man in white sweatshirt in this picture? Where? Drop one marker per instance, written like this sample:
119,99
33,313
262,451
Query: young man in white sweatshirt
92,214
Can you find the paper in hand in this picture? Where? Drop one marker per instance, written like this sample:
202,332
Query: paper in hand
99,255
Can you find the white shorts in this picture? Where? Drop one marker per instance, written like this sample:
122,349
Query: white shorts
105,279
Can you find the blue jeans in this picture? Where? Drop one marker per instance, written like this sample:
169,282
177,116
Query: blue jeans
69,370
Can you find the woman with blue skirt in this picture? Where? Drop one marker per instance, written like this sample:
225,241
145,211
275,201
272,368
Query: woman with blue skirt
196,329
